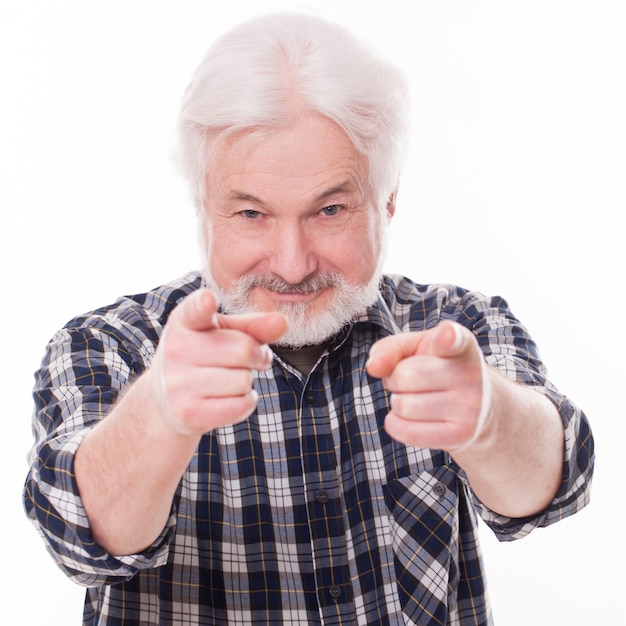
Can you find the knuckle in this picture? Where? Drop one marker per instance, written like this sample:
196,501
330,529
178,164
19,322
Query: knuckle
464,431
186,409
237,347
246,382
403,376
236,382
247,350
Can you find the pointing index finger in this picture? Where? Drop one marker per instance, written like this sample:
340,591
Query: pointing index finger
445,340
198,312
386,353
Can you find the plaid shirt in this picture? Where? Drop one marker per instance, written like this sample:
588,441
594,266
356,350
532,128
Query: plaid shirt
307,513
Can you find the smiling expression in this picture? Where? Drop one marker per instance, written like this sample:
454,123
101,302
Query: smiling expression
291,213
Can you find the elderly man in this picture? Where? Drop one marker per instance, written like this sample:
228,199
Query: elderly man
290,436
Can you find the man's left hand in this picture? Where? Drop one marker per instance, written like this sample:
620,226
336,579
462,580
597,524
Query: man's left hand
440,386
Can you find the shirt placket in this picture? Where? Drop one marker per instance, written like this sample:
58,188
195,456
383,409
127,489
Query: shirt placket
325,510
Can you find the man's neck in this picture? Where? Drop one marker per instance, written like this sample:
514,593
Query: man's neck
304,359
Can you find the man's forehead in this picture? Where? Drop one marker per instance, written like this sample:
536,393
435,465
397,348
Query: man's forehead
348,186
311,136
313,157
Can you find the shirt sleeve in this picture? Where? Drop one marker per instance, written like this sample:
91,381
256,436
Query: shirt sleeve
508,347
83,373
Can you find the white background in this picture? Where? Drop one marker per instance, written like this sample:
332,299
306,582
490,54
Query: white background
514,186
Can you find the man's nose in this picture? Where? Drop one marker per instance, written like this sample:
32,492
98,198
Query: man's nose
293,256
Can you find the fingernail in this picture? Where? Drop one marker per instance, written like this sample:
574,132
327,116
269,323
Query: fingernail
458,337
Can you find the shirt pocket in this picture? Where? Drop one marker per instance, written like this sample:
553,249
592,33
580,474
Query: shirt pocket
423,519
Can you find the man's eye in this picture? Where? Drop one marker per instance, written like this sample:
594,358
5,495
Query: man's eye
251,214
331,210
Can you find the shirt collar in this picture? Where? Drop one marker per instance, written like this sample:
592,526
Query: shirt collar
380,315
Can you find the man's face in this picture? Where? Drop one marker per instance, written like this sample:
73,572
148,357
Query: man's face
290,225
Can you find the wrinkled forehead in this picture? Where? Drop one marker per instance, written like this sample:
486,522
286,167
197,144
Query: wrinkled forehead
313,150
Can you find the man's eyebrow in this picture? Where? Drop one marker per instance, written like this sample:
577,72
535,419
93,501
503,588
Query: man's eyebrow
241,196
345,187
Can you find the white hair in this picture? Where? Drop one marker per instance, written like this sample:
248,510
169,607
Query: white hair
265,73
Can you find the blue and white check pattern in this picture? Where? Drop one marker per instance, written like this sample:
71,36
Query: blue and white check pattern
307,513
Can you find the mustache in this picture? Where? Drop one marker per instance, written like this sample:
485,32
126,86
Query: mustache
310,284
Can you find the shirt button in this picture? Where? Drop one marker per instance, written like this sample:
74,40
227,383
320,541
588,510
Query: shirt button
310,398
439,489
322,496
334,592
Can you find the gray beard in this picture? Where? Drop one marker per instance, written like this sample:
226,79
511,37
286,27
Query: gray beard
305,328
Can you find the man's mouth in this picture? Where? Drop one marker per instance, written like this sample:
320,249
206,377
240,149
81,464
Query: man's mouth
309,286
293,295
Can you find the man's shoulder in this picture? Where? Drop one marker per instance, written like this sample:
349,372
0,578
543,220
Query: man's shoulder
398,291
149,308
405,304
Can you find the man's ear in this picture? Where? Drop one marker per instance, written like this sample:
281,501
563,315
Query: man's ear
391,204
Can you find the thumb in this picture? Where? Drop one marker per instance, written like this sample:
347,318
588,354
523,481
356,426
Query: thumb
447,339
198,311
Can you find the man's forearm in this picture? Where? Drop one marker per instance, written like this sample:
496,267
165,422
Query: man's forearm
515,465
127,470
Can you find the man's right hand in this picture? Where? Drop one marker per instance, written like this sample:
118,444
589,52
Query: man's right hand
201,376
129,465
